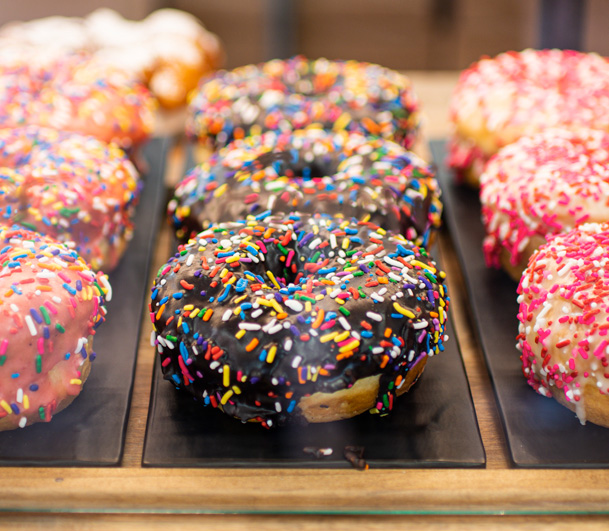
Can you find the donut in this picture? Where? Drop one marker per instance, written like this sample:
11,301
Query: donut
75,93
282,95
297,317
563,297
340,173
498,100
541,185
51,305
169,50
71,187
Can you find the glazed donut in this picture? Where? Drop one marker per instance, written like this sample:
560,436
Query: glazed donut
563,297
343,174
283,95
51,305
305,316
75,94
498,100
169,50
71,187
542,185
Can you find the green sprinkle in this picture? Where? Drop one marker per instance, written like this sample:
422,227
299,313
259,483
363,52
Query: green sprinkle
352,252
282,248
361,292
304,298
65,211
2,360
38,363
28,225
315,256
358,274
45,315
171,338
60,328
41,412
202,312
344,311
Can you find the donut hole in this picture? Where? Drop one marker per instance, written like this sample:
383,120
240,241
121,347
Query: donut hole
298,165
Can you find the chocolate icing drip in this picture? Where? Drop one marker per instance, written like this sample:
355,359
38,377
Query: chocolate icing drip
311,171
252,316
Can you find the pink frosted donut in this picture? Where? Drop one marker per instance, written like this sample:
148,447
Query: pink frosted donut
72,187
498,100
50,305
564,321
541,185
78,94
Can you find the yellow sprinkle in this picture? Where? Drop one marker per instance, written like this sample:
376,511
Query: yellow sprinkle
180,321
240,334
339,301
276,306
381,231
328,337
236,390
314,379
75,381
220,190
349,346
341,337
346,243
238,301
308,306
5,406
232,280
226,375
441,313
424,266
226,396
189,307
403,311
271,354
223,273
263,302
26,402
272,277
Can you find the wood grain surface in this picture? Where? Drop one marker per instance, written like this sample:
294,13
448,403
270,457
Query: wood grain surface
138,497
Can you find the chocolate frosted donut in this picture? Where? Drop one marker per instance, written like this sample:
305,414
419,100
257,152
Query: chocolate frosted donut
342,174
292,94
297,316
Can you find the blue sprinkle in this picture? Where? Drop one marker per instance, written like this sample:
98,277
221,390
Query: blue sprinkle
69,289
224,295
37,317
178,295
185,327
291,406
183,351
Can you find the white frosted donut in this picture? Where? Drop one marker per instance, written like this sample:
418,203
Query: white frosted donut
564,311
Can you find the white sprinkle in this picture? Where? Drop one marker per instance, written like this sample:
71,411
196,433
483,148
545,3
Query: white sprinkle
226,315
14,307
293,305
374,316
314,243
344,323
30,324
378,350
152,338
214,365
249,326
20,395
287,346
190,259
257,313
333,243
296,362
22,422
420,324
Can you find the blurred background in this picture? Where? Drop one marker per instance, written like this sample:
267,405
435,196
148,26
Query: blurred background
400,34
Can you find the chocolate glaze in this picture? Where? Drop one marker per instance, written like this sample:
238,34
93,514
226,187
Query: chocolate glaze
295,93
247,316
346,175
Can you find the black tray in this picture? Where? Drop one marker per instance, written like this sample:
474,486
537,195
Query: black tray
540,432
433,425
91,431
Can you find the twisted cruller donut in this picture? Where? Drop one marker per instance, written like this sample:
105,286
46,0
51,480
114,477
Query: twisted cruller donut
292,94
71,187
300,315
51,303
542,185
75,93
564,311
498,100
342,174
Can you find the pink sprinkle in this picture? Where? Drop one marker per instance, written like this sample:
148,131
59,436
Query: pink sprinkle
50,307
598,351
3,347
40,345
64,277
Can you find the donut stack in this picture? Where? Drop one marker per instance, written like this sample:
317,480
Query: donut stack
302,288
532,130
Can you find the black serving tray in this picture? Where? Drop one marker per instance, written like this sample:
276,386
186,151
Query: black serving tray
91,431
540,432
433,425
